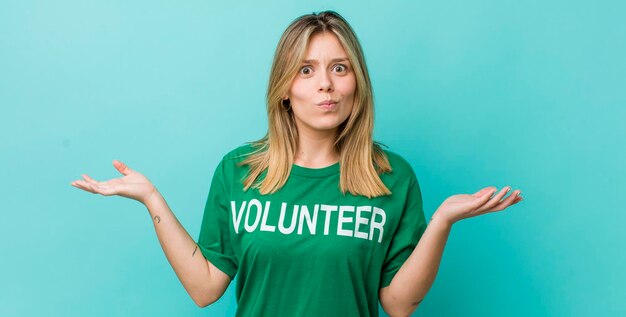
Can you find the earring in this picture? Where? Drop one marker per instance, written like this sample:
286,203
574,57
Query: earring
286,104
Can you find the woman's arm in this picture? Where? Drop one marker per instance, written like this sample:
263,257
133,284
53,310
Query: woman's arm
416,276
204,282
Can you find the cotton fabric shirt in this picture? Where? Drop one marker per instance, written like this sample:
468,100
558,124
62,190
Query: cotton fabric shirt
308,249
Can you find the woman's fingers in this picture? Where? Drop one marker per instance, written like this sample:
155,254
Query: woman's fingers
495,200
484,191
90,180
481,197
105,190
85,186
97,183
121,167
514,198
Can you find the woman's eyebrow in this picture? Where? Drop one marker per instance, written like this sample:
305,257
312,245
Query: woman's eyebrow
334,60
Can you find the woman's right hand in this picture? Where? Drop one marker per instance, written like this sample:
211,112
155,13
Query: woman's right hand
132,185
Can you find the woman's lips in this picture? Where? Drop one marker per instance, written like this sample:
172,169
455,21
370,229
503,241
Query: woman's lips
328,106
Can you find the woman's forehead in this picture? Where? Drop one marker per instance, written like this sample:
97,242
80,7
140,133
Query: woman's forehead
325,47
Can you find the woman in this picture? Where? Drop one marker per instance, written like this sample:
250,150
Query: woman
315,218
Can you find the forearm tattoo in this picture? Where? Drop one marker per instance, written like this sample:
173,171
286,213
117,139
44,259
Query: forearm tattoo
157,219
194,251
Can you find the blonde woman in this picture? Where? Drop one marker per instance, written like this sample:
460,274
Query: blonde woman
315,219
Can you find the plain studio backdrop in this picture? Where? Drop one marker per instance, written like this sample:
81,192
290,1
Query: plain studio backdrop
472,93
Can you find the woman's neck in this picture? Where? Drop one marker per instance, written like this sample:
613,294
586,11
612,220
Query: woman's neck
316,150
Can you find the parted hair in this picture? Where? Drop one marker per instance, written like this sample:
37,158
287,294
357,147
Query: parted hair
361,159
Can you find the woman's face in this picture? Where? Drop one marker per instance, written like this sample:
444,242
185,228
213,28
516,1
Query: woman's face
325,75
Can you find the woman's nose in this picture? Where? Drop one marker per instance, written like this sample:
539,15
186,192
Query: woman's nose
325,84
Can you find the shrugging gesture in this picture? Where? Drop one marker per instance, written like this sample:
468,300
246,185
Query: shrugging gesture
132,185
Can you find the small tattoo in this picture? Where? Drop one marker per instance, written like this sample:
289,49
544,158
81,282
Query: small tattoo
194,251
157,219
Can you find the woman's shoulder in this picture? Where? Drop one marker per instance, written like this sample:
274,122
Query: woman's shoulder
401,170
398,163
240,152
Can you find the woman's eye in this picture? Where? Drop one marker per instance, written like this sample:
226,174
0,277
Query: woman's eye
340,68
306,70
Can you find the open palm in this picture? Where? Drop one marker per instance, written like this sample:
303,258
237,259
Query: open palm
462,206
132,185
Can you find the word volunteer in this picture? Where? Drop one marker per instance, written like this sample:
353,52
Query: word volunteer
342,213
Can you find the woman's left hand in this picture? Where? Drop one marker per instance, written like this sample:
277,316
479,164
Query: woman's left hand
462,206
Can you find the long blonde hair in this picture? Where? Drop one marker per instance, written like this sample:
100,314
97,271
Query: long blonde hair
361,159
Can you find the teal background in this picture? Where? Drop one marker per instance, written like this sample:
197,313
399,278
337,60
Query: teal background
472,93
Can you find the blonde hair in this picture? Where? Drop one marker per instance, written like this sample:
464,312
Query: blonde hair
361,159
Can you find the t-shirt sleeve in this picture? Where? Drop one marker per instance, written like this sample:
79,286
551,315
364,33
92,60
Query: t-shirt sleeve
214,240
410,229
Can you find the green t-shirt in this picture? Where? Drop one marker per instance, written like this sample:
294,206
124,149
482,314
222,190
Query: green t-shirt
307,249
